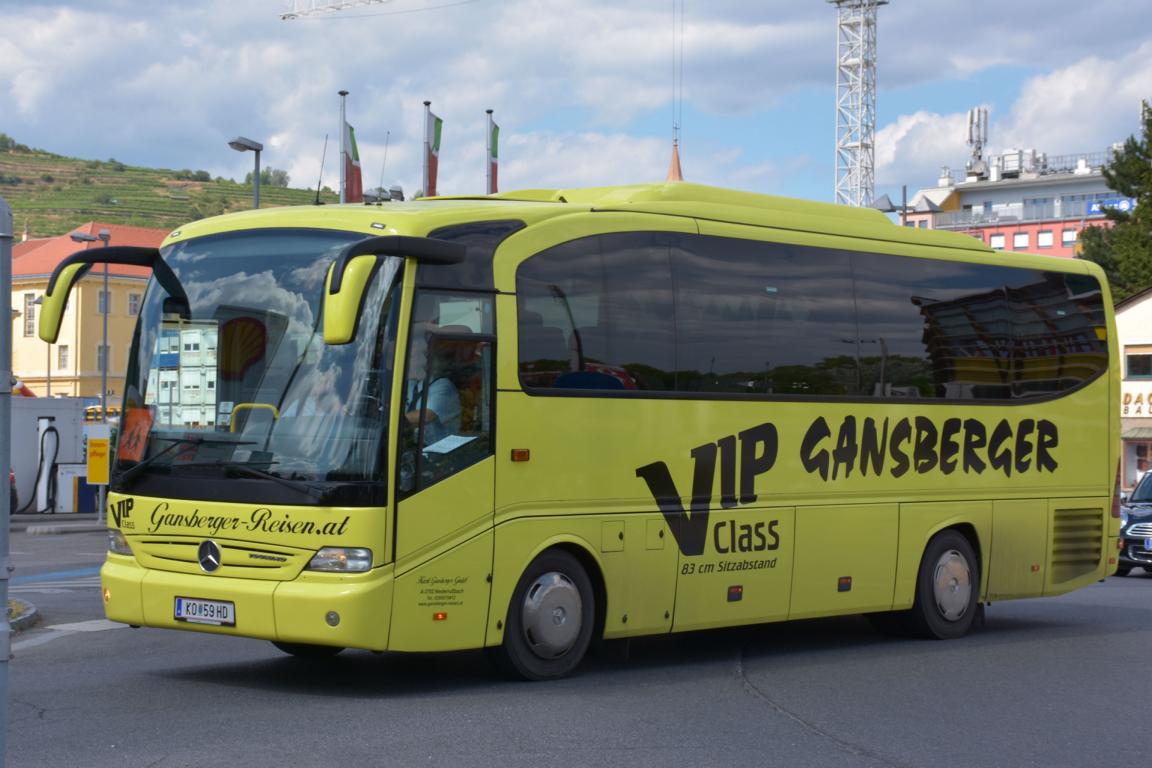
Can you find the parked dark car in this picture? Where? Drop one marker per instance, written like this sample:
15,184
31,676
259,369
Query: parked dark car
12,485
1136,528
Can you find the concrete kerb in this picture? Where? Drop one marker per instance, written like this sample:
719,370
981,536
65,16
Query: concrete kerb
21,614
53,525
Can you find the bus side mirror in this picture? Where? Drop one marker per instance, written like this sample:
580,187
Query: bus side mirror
350,273
56,300
74,267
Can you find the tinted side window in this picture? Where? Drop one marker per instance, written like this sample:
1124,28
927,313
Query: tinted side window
763,318
596,313
703,314
970,331
481,239
1061,333
933,328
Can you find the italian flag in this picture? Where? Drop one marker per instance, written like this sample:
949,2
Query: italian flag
432,138
353,184
493,158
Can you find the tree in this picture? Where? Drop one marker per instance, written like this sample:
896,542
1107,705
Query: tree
270,177
1124,250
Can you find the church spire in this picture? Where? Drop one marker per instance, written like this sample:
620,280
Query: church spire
674,173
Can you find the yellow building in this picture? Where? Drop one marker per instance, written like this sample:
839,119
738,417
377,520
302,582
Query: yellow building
72,366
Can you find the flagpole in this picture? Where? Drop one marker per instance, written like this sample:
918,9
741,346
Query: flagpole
427,149
343,149
488,159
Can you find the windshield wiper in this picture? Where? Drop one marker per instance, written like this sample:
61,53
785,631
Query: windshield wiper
127,474
240,468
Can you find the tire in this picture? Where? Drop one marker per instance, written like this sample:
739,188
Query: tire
1123,570
550,619
947,588
308,651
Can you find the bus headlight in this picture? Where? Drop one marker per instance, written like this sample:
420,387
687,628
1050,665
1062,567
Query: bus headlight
342,560
117,543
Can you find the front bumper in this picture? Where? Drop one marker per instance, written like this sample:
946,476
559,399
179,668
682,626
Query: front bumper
297,611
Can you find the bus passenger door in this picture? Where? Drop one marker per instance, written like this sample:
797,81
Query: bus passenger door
445,478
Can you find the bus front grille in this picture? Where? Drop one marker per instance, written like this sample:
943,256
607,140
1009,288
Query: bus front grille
238,559
1077,543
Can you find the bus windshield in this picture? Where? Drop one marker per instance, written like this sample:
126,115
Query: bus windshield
239,383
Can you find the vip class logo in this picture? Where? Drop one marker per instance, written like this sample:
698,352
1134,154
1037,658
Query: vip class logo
121,511
741,458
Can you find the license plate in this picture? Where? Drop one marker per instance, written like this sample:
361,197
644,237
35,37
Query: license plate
1148,544
197,611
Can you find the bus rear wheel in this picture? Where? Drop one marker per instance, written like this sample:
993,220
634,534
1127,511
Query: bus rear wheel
947,588
550,619
307,650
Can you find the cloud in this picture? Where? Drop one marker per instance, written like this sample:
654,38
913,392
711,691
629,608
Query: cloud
1083,107
583,92
1080,108
912,149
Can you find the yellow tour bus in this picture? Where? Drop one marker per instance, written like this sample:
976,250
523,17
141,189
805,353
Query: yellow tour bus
538,419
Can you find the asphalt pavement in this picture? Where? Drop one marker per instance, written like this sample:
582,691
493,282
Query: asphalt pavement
21,613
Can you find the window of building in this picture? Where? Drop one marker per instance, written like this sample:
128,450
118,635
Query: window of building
29,314
102,303
996,241
1020,240
133,304
1138,363
62,357
1044,238
1068,237
103,357
1039,208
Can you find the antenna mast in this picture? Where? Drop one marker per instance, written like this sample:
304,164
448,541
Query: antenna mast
856,100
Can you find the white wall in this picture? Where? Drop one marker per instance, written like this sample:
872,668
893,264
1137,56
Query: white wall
68,413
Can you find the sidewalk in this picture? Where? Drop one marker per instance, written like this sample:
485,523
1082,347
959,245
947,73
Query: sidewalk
51,525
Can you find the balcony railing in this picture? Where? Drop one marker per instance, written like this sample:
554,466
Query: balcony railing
1014,213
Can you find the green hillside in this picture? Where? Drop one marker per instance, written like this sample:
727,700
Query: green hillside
53,194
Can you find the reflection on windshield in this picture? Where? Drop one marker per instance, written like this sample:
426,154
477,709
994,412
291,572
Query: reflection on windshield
1143,491
246,365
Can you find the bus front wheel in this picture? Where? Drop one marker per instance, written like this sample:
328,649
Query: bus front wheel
947,588
550,619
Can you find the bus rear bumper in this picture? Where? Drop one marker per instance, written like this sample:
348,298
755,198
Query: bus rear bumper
315,608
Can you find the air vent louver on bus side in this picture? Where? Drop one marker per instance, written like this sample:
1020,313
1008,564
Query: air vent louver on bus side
1077,541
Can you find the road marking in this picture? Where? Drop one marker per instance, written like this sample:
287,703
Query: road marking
55,575
60,587
57,631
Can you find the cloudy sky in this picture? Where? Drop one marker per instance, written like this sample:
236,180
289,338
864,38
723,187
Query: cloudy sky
583,91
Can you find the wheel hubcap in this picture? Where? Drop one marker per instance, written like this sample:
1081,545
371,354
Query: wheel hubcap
952,585
551,615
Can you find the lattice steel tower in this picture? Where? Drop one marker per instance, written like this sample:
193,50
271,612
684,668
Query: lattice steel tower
856,100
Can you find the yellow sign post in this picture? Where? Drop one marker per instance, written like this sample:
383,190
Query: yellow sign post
99,447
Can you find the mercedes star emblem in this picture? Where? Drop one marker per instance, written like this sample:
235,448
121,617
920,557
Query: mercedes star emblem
209,555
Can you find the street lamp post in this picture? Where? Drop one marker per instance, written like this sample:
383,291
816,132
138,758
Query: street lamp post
105,237
241,144
48,362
